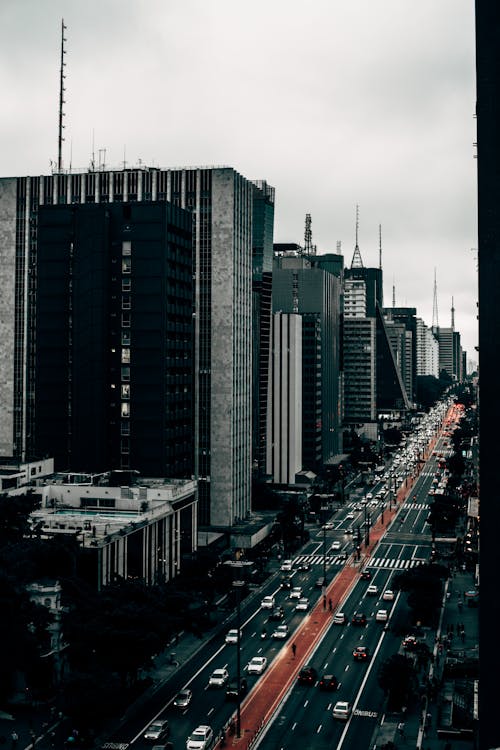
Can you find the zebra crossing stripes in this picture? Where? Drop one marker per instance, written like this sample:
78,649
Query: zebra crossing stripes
376,562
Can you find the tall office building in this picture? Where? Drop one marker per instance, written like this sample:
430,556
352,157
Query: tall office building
445,340
407,317
360,348
114,354
221,202
427,348
315,294
284,418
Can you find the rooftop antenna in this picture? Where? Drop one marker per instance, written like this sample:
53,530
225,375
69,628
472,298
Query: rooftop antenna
380,246
61,99
393,293
435,317
339,247
309,248
452,315
92,160
356,261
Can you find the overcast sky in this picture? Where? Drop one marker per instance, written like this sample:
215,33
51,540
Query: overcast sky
333,102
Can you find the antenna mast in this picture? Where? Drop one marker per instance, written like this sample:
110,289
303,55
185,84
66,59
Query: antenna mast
452,315
435,317
309,248
356,261
393,293
61,98
380,246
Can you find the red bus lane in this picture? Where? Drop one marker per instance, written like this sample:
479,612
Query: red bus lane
270,690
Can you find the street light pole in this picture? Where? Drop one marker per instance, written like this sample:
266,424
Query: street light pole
238,585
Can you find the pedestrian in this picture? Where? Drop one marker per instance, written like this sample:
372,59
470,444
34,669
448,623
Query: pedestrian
330,605
324,602
14,737
401,729
462,635
294,649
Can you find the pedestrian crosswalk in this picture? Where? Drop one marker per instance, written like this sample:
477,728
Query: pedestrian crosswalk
409,505
376,562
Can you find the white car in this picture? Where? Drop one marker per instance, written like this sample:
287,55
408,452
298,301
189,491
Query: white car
267,602
257,665
201,738
157,730
339,618
372,590
335,545
349,517
295,593
369,496
286,566
388,595
281,632
302,605
382,615
218,678
232,636
342,710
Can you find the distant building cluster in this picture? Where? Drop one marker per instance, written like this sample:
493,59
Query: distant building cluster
151,326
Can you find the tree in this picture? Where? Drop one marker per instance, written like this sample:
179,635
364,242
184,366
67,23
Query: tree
424,586
398,680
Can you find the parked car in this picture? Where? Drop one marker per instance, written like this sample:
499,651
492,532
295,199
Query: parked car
342,710
157,730
218,678
183,698
307,675
328,682
257,665
201,738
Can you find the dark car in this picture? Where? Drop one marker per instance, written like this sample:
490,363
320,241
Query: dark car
304,565
361,653
286,582
328,682
277,614
366,575
410,643
307,676
359,619
232,690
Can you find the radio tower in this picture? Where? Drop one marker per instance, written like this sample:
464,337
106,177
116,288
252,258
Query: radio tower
309,248
356,261
61,99
380,246
435,317
452,315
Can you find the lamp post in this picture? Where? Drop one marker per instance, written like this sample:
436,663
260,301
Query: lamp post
367,527
238,585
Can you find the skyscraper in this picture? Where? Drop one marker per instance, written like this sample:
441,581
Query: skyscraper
221,203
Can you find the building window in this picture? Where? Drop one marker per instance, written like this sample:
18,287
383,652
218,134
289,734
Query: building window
126,285
126,248
126,320
125,410
125,373
126,265
125,427
126,302
125,342
126,356
125,445
125,390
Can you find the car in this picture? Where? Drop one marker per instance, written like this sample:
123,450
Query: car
167,746
157,730
328,526
304,565
335,545
388,595
286,566
368,496
281,632
320,583
349,530
341,710
339,618
358,507
295,593
232,693
201,738
183,698
328,682
349,517
410,643
257,665
268,602
366,575
372,590
286,582
307,675
218,678
232,636
302,605
382,615
361,653
358,619
277,614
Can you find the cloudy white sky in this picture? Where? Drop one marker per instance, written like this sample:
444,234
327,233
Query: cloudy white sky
334,103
